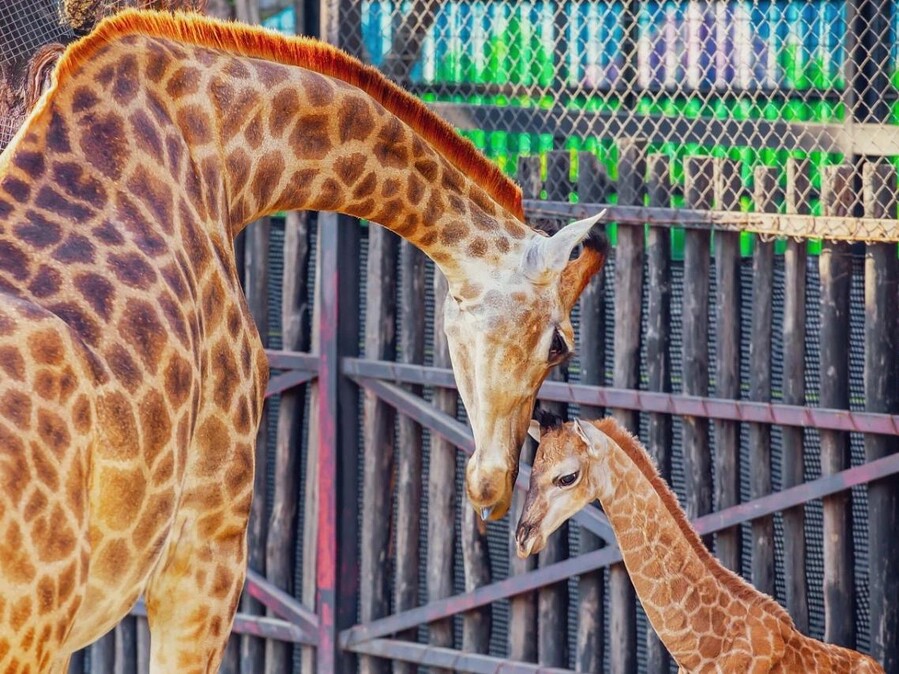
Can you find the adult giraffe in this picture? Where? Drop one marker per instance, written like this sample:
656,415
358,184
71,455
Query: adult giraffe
133,376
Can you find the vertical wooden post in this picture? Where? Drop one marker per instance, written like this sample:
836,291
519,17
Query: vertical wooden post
143,646
882,395
697,457
409,474
377,436
126,646
523,607
311,504
658,354
337,564
727,189
767,196
102,654
552,600
252,649
441,486
626,374
592,186
836,274
792,466
281,541
476,624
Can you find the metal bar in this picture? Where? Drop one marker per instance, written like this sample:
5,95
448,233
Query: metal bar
282,604
457,661
292,360
648,401
460,435
257,626
576,566
837,228
288,380
653,402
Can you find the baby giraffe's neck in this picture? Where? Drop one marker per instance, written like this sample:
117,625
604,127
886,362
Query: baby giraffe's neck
691,600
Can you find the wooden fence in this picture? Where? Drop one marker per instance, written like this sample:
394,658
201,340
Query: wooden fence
762,378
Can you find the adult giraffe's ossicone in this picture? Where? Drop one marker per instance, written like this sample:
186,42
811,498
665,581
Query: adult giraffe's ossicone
131,375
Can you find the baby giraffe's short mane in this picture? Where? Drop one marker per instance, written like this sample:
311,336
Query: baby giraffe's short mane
261,43
635,451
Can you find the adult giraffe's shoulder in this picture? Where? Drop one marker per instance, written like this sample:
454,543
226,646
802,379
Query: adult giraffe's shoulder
133,376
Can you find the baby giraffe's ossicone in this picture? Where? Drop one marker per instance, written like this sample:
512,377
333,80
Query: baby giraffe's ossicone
709,618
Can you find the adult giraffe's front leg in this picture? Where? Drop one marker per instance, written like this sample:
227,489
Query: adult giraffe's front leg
192,597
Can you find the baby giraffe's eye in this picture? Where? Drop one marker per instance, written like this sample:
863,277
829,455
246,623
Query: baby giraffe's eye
558,348
567,480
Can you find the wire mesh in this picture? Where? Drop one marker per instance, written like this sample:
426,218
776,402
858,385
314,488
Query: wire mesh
28,25
755,80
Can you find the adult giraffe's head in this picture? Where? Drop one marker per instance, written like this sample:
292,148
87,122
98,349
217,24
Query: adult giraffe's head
505,335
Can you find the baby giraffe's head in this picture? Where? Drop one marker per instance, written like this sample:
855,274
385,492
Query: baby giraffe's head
568,474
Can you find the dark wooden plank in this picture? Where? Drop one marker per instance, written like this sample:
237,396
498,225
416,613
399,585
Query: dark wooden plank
143,645
76,663
523,608
882,395
441,486
792,461
102,654
552,601
282,526
256,255
836,273
409,458
626,374
476,624
126,646
377,436
767,197
311,497
697,457
658,355
728,189
592,186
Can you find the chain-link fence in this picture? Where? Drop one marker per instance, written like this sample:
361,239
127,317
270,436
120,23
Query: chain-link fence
755,80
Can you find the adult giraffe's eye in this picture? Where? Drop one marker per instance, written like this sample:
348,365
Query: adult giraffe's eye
558,348
567,480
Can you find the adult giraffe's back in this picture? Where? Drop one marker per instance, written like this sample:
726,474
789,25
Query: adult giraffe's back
133,376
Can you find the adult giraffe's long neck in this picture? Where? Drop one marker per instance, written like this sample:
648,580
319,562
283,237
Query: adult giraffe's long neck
258,123
689,597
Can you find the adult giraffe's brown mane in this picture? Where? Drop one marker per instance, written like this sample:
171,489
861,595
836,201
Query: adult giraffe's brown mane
261,43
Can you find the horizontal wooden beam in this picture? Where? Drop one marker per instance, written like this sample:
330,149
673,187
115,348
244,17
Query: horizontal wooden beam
649,401
575,566
288,380
292,360
565,122
257,626
421,411
282,604
836,228
447,658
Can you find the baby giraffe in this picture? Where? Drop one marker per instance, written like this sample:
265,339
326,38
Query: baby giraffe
709,618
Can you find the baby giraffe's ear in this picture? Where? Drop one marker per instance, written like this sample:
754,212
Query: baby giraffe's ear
591,435
534,430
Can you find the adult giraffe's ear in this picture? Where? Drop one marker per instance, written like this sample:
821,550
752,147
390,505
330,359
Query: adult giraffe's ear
547,254
578,272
